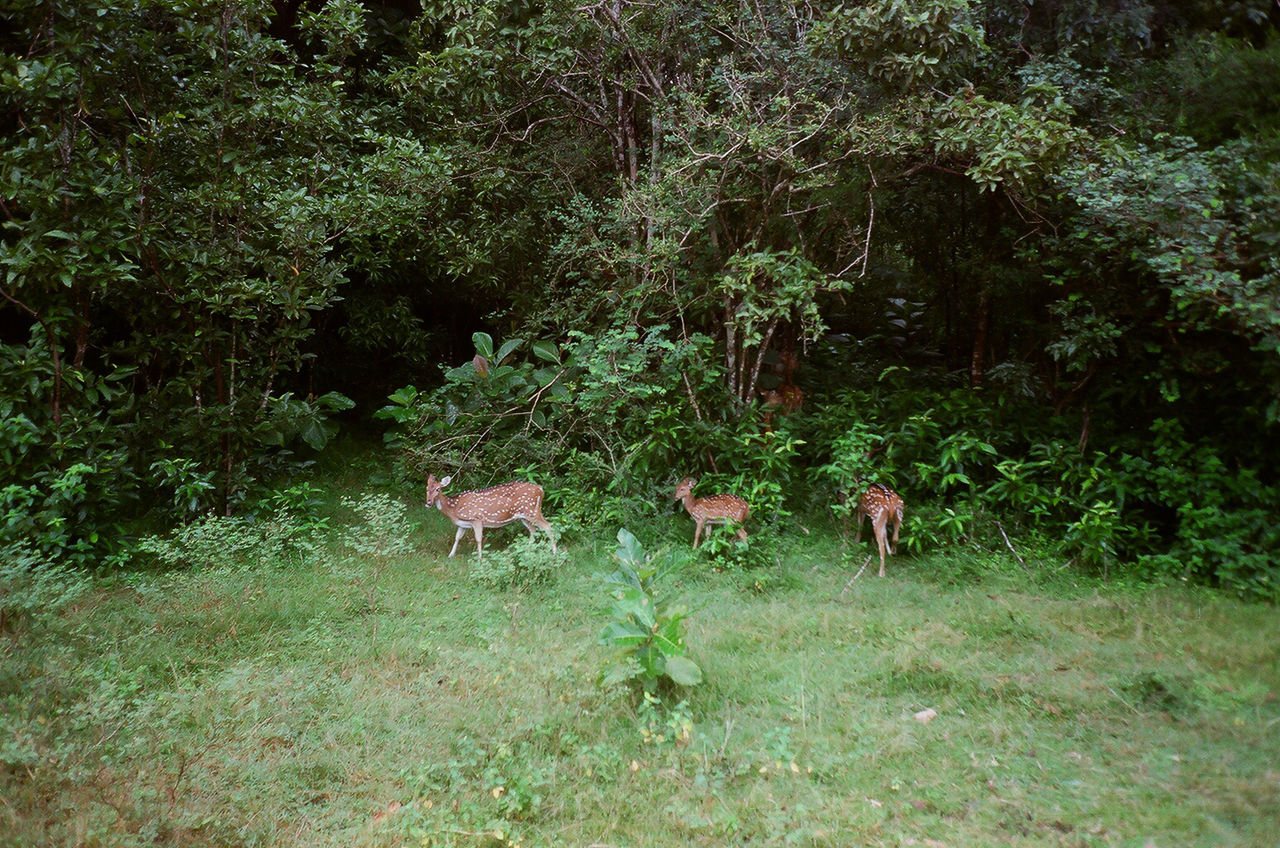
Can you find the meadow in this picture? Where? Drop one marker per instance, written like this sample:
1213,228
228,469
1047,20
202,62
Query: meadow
358,688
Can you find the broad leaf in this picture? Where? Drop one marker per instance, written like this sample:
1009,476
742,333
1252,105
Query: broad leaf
683,671
622,634
483,343
507,346
630,551
547,350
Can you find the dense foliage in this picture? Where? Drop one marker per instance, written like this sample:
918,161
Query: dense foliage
1020,260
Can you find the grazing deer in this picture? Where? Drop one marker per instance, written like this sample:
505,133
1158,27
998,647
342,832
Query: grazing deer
716,509
882,505
496,506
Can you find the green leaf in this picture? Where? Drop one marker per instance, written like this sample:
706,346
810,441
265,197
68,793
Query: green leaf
622,634
404,397
507,346
630,551
335,401
621,672
638,607
683,671
483,343
547,350
316,434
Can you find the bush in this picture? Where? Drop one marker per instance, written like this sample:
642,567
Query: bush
285,530
644,630
33,586
385,530
521,565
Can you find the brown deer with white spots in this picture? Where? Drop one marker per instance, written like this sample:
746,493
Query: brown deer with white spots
496,506
716,509
883,506
785,399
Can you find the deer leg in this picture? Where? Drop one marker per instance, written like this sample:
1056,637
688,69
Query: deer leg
878,524
456,539
857,537
742,534
897,525
479,528
697,531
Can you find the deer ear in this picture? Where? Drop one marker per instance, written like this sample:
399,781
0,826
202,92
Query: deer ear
446,481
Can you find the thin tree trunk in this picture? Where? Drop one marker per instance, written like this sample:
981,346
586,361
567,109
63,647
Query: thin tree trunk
977,361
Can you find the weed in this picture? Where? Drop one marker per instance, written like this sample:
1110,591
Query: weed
644,630
521,565
32,587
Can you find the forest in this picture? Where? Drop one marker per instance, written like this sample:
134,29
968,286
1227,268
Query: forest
1018,259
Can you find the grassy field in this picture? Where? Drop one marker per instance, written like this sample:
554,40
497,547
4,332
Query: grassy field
341,697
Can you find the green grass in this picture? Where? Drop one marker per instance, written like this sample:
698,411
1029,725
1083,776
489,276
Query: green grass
340,700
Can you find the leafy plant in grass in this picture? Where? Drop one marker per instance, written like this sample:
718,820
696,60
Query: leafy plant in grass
232,542
524,563
644,629
663,725
32,586
383,535
724,552
385,531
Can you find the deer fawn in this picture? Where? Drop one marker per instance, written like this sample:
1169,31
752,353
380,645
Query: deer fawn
786,399
716,509
496,506
882,505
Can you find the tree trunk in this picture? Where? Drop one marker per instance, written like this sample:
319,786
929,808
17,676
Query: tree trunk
977,362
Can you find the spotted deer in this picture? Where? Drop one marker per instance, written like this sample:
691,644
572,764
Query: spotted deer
496,506
715,509
882,505
787,398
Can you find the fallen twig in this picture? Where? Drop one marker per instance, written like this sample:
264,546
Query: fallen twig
1009,544
855,577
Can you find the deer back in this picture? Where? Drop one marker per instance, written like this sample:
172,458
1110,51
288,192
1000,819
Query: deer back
879,498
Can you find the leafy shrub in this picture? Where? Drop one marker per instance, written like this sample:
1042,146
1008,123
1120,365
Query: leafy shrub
68,476
930,527
644,630
723,551
233,542
522,564
1217,521
33,586
385,530
497,411
1093,534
